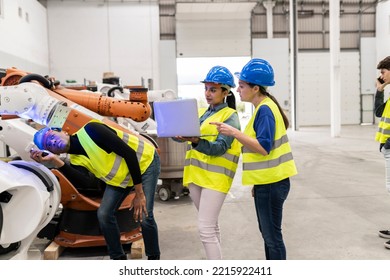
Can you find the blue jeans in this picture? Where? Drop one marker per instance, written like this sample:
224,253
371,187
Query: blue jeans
269,199
106,213
149,226
111,201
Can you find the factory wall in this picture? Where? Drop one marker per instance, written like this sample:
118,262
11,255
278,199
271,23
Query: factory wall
23,36
87,39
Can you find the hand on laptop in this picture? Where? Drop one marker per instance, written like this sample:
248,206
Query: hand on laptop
185,139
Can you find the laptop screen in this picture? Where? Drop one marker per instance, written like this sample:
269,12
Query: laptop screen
177,118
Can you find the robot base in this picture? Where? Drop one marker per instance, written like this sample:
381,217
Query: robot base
81,228
78,225
71,240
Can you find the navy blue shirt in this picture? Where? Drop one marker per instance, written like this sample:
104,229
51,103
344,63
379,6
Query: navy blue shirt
264,126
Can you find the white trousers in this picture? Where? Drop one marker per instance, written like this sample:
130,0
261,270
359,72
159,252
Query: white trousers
386,154
209,204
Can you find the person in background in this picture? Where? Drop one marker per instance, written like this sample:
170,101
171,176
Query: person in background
266,153
123,161
211,160
382,110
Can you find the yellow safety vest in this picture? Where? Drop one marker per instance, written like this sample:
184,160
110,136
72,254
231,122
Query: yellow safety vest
112,168
384,125
278,164
212,172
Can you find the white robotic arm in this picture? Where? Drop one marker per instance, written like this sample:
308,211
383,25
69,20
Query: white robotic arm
19,135
28,101
29,192
29,198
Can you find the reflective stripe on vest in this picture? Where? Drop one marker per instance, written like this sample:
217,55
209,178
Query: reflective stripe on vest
269,163
214,168
118,159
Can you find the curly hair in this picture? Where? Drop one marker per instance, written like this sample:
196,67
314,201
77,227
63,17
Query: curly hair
384,64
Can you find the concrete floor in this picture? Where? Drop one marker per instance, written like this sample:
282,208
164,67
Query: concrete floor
336,206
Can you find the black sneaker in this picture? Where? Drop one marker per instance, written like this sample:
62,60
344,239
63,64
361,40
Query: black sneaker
387,244
384,234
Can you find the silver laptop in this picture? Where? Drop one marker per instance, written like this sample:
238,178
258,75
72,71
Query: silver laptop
177,118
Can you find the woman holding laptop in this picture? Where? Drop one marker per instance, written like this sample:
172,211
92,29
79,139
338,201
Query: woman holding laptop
211,160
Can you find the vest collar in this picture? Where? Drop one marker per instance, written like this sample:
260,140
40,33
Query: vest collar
75,146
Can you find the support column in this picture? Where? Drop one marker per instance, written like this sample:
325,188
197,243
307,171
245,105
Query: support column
269,5
334,47
293,62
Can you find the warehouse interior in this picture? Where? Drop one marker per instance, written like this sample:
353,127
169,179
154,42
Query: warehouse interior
325,56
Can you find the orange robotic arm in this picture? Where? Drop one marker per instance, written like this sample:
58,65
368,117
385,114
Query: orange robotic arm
23,95
136,108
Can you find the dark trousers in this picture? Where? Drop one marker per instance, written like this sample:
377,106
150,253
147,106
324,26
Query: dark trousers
269,200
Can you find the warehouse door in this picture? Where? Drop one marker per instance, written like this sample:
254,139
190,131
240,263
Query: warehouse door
213,29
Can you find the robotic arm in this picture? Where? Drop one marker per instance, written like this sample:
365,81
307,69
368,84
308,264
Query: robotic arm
46,104
56,106
28,101
19,96
18,134
29,192
148,126
29,198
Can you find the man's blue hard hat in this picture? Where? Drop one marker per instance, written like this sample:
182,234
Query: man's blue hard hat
40,138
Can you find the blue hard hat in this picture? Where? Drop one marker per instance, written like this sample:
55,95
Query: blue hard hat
40,137
257,71
220,75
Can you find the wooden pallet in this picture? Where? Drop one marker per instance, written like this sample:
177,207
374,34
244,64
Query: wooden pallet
53,251
137,249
